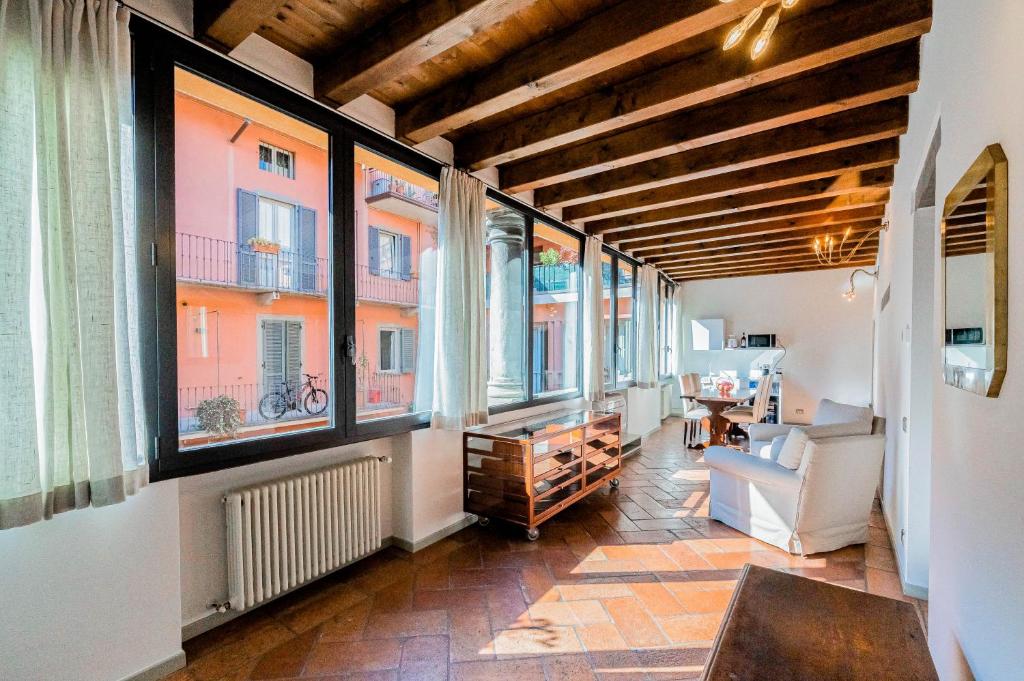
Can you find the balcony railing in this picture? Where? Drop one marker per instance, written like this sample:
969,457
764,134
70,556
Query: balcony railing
554,278
248,396
387,286
377,390
205,260
380,183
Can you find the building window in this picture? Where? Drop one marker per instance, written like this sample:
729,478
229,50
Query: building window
619,276
254,321
554,339
393,244
277,161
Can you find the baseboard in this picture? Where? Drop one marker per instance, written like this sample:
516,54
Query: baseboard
215,619
413,547
909,589
160,669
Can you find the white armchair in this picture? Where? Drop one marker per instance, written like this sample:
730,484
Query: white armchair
832,419
823,505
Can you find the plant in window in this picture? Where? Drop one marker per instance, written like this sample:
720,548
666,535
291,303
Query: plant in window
549,257
263,245
220,416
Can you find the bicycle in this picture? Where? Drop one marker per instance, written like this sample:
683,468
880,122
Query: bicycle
276,404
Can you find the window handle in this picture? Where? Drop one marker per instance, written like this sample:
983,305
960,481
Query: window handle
350,349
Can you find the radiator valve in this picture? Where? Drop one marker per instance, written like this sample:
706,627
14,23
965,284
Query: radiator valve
221,607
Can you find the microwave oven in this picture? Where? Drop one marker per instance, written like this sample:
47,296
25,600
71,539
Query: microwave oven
761,340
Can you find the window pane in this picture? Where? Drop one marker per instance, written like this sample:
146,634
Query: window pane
396,243
625,328
553,339
253,300
609,329
506,305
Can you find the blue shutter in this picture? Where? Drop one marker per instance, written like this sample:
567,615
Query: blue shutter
293,354
374,248
307,249
406,249
273,355
408,350
248,225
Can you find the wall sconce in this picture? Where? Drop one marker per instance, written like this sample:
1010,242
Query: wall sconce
851,293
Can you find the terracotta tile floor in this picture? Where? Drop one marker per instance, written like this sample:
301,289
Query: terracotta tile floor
630,584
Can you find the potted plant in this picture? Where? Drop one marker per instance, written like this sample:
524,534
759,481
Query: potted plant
262,245
549,257
220,416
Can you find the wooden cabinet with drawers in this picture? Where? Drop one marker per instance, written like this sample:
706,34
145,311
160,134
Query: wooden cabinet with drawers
528,470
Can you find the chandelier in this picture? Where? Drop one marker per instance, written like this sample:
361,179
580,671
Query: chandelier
832,250
764,37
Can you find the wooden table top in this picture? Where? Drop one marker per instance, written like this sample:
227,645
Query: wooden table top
788,628
712,395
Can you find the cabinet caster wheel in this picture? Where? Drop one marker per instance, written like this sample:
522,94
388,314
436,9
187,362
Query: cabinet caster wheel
484,522
533,534
614,482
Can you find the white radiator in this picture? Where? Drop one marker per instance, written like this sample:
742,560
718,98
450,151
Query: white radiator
287,532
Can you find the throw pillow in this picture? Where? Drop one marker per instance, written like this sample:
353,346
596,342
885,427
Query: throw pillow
793,449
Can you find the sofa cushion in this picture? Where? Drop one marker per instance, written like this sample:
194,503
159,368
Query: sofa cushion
792,452
830,412
839,430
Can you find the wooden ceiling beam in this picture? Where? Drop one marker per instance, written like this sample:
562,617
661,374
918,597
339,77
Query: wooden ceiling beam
848,164
829,133
841,190
414,34
701,232
867,262
740,255
632,238
224,24
761,262
623,32
821,38
822,223
718,246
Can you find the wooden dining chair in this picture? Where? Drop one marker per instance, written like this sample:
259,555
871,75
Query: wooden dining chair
693,412
743,416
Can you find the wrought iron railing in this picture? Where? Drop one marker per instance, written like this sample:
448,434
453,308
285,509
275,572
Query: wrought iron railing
554,278
202,259
379,183
386,286
382,390
248,396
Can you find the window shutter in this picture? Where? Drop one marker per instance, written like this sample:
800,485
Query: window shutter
307,249
406,248
273,355
293,353
408,358
248,224
374,249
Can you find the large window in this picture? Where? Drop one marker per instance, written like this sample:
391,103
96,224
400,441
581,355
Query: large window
506,268
665,293
619,289
396,238
554,336
252,265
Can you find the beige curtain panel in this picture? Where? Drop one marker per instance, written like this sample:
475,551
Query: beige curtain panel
593,322
74,432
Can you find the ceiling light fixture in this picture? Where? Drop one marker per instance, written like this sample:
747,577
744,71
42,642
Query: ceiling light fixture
740,30
830,250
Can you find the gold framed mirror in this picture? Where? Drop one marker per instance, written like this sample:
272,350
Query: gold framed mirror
974,272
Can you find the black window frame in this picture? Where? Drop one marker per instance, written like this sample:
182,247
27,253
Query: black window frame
613,316
156,52
666,290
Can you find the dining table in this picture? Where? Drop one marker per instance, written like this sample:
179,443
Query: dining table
718,401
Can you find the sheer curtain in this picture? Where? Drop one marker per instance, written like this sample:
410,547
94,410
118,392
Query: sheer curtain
460,337
593,321
74,431
647,328
678,337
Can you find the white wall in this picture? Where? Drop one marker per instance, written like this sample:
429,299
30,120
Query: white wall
972,65
828,338
92,595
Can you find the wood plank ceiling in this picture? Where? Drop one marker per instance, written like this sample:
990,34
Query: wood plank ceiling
628,116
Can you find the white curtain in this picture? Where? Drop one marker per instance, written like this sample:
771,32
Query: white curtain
460,336
74,431
678,333
593,321
647,328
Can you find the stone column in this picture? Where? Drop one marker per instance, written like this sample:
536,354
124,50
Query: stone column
506,235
